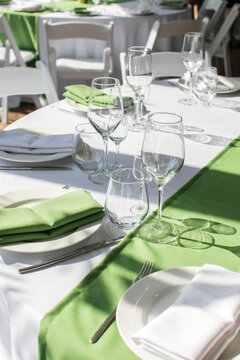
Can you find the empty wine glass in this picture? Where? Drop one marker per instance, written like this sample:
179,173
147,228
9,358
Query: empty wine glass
139,76
163,157
192,55
205,85
117,136
105,111
139,172
126,202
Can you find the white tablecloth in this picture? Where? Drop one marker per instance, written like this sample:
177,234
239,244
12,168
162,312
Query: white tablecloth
128,31
24,299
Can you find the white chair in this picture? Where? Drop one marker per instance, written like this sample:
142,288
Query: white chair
174,28
214,10
167,64
10,53
22,80
219,46
73,68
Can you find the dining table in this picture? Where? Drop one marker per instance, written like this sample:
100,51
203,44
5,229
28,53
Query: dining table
53,312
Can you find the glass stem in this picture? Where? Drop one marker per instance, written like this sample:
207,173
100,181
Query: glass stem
138,109
159,212
191,85
117,153
105,141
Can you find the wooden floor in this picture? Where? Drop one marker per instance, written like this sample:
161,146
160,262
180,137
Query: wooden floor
26,108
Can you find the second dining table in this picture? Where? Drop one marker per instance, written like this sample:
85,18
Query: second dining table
206,193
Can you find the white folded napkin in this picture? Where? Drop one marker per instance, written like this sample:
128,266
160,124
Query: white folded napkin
25,143
21,5
201,322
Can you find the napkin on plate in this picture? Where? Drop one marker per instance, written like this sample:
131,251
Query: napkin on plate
201,322
80,94
26,143
49,218
174,4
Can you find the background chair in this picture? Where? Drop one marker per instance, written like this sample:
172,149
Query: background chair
174,28
213,10
219,46
73,68
10,53
22,80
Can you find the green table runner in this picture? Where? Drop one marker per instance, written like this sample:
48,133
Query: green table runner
24,26
206,212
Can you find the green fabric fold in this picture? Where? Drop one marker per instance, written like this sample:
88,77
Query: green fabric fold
80,94
174,4
50,218
205,212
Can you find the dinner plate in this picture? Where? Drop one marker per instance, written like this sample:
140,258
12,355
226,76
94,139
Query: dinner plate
148,298
79,108
30,197
34,158
226,85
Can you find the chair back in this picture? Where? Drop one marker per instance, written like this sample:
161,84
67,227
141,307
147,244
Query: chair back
213,10
174,28
79,30
10,43
22,80
167,64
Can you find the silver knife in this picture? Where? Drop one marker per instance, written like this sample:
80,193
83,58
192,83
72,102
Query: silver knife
35,168
69,255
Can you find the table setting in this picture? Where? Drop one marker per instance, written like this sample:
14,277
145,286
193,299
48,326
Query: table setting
96,253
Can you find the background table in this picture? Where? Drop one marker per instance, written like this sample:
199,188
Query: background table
24,299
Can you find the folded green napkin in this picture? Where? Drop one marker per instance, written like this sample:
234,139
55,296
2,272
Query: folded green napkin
80,94
49,218
174,4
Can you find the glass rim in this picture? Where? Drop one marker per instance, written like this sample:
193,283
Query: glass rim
166,122
99,80
139,48
113,173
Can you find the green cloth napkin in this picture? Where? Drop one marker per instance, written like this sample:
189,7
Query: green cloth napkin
80,94
206,213
49,218
174,4
63,6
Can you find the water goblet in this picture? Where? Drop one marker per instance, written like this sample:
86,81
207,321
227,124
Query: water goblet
105,111
117,136
192,55
126,202
139,77
162,157
205,85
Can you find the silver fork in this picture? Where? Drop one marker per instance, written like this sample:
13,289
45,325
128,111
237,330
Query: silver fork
146,269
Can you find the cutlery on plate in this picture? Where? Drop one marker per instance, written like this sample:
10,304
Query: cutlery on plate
79,251
35,168
146,269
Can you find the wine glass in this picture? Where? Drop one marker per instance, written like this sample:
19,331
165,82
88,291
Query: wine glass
105,111
192,55
205,85
139,77
117,136
162,157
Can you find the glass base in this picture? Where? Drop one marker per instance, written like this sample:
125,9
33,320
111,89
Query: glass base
158,234
116,166
100,178
188,101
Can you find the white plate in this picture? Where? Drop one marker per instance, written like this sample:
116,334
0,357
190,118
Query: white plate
148,298
232,85
29,197
79,108
34,158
